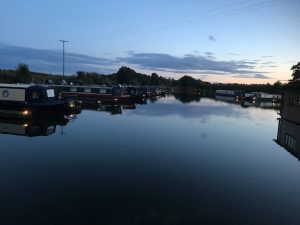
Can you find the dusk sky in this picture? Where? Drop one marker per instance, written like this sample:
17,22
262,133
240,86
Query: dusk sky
217,41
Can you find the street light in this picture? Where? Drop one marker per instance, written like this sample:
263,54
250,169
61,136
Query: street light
63,42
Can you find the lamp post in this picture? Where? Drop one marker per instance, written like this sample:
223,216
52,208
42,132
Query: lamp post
63,42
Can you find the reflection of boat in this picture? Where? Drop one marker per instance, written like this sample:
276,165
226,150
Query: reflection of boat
288,135
24,100
225,98
111,108
263,105
43,126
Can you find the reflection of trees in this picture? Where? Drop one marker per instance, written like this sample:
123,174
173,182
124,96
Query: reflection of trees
185,97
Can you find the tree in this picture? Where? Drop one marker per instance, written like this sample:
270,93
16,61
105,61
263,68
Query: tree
23,73
125,75
154,79
296,71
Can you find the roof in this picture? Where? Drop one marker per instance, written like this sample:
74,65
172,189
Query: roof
25,86
15,85
81,86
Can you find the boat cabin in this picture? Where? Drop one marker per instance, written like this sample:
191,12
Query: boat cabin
21,93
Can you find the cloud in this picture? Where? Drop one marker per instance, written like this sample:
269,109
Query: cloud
267,56
188,64
210,55
253,76
234,54
211,38
50,60
269,62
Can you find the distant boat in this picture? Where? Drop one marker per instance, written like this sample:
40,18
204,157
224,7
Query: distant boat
227,95
93,93
261,96
24,100
247,96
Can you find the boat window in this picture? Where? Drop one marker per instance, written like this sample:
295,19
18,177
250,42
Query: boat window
95,90
73,89
117,91
80,89
36,95
50,93
87,90
294,100
102,91
290,141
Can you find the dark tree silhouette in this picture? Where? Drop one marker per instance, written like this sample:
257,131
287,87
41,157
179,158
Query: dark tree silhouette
296,71
154,79
23,73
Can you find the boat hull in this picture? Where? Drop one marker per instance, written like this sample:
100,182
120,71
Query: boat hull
26,110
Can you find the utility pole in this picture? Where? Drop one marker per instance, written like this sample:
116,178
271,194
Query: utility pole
63,42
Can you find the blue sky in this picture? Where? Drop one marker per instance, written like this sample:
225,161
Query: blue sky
241,41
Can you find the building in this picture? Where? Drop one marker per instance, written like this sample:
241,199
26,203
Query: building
288,135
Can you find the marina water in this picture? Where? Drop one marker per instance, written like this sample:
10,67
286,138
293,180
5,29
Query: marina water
170,161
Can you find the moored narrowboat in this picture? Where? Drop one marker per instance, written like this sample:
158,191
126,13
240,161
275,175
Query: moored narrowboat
261,96
228,95
94,93
26,100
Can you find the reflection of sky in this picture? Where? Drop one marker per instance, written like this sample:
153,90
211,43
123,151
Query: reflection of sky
206,108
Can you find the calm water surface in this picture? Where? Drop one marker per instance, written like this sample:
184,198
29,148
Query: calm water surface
205,162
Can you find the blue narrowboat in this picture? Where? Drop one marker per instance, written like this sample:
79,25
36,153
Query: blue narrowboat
26,100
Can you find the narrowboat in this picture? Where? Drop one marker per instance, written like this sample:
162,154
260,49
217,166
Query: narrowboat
247,96
228,95
93,93
261,96
26,100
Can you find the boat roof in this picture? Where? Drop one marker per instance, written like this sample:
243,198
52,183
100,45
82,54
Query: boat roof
15,85
82,86
25,86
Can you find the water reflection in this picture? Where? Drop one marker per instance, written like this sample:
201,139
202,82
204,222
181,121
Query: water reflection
113,109
42,126
206,162
263,105
192,97
45,126
186,97
288,135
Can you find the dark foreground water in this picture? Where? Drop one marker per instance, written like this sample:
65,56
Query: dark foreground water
167,162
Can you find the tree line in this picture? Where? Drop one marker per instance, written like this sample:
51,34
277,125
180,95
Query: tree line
127,76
